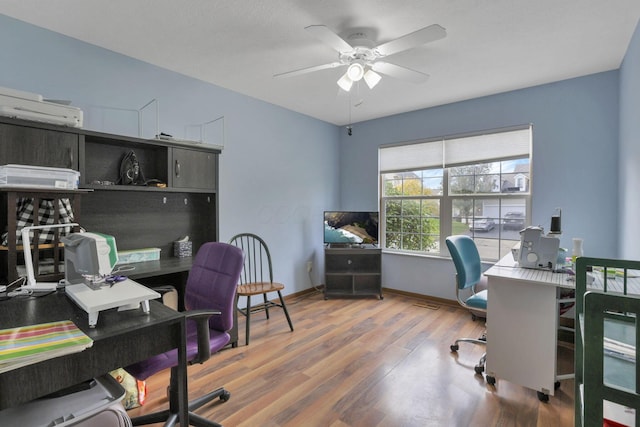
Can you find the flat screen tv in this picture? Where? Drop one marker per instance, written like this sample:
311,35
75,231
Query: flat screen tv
350,228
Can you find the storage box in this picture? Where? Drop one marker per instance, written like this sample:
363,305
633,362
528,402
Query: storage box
38,176
138,255
66,410
182,249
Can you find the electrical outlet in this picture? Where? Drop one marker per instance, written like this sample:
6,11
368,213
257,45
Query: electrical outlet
309,266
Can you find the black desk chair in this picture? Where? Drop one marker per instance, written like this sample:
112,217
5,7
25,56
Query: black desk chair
210,298
257,278
469,275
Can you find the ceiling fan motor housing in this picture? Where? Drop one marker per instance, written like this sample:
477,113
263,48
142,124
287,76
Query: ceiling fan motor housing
361,39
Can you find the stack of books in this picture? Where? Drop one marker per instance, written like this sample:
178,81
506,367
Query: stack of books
26,345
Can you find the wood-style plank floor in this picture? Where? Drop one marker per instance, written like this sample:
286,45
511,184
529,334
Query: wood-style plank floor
363,362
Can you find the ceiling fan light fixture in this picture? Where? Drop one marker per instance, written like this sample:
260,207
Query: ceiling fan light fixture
372,78
345,82
355,71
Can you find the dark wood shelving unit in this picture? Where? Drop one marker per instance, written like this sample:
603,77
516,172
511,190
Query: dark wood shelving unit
11,253
137,216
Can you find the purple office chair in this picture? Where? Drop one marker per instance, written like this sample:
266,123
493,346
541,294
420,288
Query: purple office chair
210,290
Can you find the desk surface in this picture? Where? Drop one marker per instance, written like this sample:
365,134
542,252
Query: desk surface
507,268
162,266
120,339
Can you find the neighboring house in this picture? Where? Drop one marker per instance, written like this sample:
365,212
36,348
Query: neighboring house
517,181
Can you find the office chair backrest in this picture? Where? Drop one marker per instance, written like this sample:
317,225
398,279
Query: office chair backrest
257,262
219,264
466,259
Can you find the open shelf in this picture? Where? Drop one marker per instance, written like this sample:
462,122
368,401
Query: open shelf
353,272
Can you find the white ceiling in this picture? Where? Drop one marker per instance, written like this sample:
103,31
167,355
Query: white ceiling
492,46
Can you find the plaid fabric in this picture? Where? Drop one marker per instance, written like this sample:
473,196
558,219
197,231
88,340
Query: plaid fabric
46,216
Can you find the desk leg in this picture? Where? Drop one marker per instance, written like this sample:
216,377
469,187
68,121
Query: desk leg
145,306
182,376
93,318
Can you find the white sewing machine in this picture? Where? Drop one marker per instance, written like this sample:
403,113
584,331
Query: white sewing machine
88,257
537,250
89,261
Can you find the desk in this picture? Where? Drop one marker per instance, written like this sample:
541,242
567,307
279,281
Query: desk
120,339
522,324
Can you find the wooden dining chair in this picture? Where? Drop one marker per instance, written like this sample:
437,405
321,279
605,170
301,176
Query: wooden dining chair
257,278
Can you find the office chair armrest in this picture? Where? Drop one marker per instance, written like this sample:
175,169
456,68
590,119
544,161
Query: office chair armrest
201,317
163,289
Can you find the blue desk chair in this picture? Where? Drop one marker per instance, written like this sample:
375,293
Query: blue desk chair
469,276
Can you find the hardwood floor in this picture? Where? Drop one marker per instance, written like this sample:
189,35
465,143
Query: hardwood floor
364,362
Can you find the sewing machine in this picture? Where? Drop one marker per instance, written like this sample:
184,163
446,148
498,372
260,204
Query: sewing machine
537,250
89,262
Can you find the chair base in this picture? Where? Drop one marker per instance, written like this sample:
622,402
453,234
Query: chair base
171,418
479,368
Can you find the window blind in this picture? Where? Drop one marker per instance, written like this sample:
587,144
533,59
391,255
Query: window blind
446,152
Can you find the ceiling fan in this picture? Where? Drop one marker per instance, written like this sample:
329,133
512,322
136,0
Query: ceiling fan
362,56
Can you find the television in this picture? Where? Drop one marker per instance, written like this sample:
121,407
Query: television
350,228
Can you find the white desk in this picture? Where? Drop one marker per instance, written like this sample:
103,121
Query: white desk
522,325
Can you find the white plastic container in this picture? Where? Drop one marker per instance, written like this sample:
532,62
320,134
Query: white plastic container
138,255
38,177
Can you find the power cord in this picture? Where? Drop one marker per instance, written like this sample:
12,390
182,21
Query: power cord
314,286
20,280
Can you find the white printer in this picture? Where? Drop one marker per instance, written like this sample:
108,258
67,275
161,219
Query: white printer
32,106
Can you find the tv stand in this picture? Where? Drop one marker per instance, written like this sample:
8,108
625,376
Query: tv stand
351,246
353,271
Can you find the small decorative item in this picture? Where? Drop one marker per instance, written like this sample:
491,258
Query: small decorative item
182,248
556,222
577,249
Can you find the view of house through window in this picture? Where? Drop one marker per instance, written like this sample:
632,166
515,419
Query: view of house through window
476,185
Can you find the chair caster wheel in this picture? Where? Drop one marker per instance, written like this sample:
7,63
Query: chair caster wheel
474,317
454,348
225,396
556,385
543,397
490,380
479,369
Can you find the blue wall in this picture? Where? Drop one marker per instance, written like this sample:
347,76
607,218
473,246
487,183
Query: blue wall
277,170
575,163
630,150
280,169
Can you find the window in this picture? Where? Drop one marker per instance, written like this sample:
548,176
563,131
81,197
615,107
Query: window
477,185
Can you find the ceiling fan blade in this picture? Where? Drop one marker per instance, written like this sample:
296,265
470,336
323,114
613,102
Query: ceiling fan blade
309,69
409,41
398,72
325,35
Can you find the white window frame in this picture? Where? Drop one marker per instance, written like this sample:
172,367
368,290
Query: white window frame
445,153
